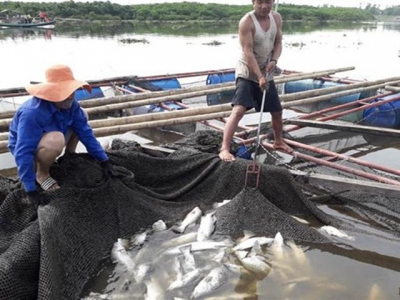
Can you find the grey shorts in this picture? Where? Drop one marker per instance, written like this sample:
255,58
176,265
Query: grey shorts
249,95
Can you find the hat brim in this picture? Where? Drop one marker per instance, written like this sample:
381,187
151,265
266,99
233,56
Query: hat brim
56,91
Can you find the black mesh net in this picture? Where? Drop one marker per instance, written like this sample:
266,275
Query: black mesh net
52,254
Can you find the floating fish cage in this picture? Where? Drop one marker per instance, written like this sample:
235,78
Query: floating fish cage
312,84
386,115
224,97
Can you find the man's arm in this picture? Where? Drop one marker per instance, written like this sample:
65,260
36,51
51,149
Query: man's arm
277,51
246,36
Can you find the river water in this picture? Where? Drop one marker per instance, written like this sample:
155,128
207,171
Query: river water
373,49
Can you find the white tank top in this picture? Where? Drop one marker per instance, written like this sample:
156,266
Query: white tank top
263,44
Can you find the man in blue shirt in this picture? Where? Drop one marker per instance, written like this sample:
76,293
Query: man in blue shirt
49,121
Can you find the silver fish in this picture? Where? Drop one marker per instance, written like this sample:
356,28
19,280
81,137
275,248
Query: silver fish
302,221
159,226
120,255
256,250
336,232
219,204
154,290
188,263
142,271
256,264
249,243
206,228
185,280
198,246
190,218
139,238
179,240
214,280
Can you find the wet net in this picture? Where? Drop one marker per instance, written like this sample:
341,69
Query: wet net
52,254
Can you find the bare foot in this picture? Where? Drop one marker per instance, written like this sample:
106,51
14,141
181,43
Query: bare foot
225,155
283,146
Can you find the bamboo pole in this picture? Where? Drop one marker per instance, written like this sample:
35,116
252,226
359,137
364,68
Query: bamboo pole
119,129
339,167
207,89
395,89
160,116
105,131
343,157
224,88
324,91
334,95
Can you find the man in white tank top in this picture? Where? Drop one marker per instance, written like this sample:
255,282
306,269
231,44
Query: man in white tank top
260,36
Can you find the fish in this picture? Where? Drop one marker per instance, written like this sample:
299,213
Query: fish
256,264
246,235
188,278
120,255
302,221
179,240
256,249
206,228
189,263
249,243
277,248
336,232
139,238
154,290
159,226
209,284
198,246
219,204
190,218
220,256
142,271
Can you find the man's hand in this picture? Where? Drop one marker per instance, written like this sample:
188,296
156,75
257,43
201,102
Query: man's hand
108,169
36,198
263,83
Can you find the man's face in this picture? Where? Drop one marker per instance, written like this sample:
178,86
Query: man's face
67,103
263,7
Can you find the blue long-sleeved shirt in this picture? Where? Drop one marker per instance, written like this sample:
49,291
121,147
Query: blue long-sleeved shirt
36,117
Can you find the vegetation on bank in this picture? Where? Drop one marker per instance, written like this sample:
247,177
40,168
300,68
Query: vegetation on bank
187,11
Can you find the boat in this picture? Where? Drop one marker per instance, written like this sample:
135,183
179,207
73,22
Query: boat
14,19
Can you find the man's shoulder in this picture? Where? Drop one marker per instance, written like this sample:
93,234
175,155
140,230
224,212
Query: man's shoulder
277,16
246,20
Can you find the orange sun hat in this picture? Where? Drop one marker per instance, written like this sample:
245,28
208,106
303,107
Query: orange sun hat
60,84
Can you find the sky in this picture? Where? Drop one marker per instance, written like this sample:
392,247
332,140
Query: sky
343,3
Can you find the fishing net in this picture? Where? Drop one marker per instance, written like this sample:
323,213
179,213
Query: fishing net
52,255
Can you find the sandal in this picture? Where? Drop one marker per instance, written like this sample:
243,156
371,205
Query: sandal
48,183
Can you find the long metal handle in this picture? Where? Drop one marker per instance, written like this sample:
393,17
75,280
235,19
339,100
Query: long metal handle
260,120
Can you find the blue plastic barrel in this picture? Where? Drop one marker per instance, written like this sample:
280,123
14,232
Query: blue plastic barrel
340,100
157,85
224,97
302,86
220,78
386,115
167,84
311,84
82,94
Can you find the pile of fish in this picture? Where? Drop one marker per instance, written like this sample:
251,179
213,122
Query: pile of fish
183,262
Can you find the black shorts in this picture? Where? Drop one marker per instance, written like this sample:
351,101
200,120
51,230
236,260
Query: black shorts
249,95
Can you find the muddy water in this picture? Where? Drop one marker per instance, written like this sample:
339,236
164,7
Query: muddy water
363,266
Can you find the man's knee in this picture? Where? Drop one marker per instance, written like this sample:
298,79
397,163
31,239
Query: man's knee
52,141
238,112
